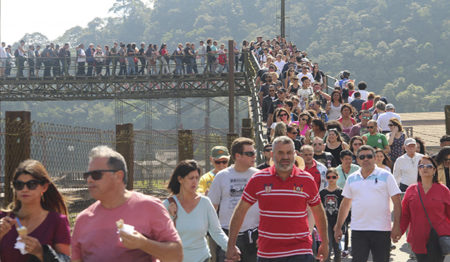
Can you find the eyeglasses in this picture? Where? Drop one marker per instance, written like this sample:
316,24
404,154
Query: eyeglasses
317,144
429,166
97,174
223,162
368,156
31,184
391,125
370,127
331,177
281,115
249,153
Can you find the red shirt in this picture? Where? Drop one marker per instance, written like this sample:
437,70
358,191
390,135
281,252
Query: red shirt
437,204
314,172
367,105
283,227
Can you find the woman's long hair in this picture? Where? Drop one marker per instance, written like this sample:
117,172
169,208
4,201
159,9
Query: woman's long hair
386,161
52,199
435,175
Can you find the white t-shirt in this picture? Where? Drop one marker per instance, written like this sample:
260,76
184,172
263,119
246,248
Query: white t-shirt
81,56
406,169
226,191
280,66
364,94
371,199
383,120
309,75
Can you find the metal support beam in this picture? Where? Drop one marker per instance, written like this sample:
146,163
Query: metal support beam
283,19
231,86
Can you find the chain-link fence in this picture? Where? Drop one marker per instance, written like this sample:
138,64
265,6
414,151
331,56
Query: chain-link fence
64,152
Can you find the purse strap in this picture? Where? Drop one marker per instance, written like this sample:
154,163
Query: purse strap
421,201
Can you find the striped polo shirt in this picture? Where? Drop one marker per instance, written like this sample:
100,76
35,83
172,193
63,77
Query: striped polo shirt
283,226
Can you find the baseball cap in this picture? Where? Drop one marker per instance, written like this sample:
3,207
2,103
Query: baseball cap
410,141
218,152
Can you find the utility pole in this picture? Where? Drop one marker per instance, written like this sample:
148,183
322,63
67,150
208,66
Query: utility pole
283,19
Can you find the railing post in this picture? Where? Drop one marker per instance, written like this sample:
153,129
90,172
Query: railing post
17,146
247,128
447,119
185,145
125,146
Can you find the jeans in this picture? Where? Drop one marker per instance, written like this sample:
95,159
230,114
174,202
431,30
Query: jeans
297,258
378,242
333,245
178,65
131,66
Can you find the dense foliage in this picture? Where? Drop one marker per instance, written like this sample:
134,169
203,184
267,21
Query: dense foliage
399,47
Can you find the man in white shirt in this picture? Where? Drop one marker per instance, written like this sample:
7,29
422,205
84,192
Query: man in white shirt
405,167
306,73
383,119
279,63
368,192
226,191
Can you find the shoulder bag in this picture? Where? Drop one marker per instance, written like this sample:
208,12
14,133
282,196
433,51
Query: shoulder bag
172,200
436,245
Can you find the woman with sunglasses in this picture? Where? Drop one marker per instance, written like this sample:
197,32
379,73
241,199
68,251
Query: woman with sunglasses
304,123
193,214
280,115
331,197
38,206
436,200
382,161
396,139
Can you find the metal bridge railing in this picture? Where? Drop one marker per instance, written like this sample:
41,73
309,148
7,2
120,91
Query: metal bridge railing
37,67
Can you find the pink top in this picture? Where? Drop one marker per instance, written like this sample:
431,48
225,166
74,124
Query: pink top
305,129
53,230
95,235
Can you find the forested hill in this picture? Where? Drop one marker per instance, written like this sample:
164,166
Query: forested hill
399,47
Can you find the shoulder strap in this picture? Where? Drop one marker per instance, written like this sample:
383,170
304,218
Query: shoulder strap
172,200
420,197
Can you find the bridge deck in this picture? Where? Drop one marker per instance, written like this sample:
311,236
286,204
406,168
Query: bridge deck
123,87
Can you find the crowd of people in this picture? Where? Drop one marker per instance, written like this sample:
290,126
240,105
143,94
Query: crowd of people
334,162
119,58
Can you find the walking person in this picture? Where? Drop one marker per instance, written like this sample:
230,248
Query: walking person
40,208
425,205
193,214
283,193
368,192
154,235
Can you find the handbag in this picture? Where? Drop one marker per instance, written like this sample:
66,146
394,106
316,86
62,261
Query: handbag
172,200
436,245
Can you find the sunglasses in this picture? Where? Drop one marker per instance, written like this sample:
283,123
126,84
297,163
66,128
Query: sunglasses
391,125
317,144
97,174
268,150
31,184
368,156
429,166
223,162
370,127
281,115
304,119
331,177
249,153
294,133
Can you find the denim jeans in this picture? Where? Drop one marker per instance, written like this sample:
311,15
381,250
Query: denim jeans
297,258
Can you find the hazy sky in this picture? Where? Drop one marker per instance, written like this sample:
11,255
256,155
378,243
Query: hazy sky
49,17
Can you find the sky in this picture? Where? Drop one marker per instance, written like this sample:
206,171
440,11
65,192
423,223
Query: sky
49,17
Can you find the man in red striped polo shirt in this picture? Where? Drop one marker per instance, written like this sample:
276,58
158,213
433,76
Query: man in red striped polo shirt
283,193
